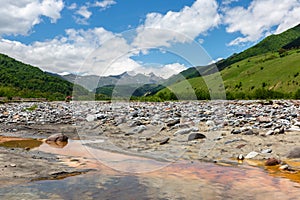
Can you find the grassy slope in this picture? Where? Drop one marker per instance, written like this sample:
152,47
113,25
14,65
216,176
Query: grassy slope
268,71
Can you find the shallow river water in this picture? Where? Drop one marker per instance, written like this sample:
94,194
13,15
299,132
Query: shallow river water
118,176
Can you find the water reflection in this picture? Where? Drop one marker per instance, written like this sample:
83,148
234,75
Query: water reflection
180,180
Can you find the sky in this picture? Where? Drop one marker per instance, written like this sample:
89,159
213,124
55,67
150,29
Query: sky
109,37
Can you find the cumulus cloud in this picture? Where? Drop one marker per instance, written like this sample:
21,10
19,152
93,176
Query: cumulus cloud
260,18
18,17
104,4
182,26
60,54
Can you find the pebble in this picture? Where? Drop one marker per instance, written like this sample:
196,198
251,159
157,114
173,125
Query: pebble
272,162
266,151
195,136
251,155
185,131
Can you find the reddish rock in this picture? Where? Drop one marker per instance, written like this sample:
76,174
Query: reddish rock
272,162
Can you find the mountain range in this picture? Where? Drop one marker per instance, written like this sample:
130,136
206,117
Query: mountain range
269,69
92,82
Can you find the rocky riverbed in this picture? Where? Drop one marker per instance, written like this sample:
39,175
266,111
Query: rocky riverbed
254,132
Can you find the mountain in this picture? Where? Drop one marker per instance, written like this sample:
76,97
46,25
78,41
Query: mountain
270,69
23,80
92,82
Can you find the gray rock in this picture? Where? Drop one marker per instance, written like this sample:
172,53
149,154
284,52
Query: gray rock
236,131
294,153
270,132
252,154
90,118
195,136
139,129
173,122
266,151
164,141
185,131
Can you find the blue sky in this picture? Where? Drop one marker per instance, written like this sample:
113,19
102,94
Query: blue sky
113,36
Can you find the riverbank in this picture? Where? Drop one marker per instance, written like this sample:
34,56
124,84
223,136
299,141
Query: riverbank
222,132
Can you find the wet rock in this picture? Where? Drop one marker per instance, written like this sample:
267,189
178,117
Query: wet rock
195,136
294,153
240,157
59,137
284,167
252,154
272,162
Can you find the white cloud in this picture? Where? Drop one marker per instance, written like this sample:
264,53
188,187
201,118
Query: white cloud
63,54
84,15
227,2
72,6
83,11
260,18
182,26
18,17
104,4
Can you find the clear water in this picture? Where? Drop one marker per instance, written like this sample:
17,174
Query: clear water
120,176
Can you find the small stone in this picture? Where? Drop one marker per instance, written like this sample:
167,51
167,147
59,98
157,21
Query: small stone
173,122
12,165
251,155
248,132
240,157
284,167
210,123
195,136
266,151
270,132
185,131
164,141
272,162
236,131
90,118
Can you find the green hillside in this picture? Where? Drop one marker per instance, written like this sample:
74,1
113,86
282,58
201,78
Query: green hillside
271,43
270,69
21,80
269,75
